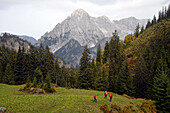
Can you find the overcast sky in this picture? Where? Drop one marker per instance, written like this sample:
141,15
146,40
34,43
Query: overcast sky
35,17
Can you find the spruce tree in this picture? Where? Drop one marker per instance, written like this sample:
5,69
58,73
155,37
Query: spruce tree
114,61
9,75
106,52
18,70
137,31
47,86
161,92
49,64
57,71
122,79
99,54
85,70
34,82
140,76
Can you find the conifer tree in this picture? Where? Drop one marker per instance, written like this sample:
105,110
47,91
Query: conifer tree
34,82
49,64
28,83
106,52
39,77
99,54
18,71
161,92
142,29
122,79
114,61
57,71
9,75
137,31
140,79
47,86
85,70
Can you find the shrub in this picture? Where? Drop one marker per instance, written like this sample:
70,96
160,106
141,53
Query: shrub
54,90
21,89
104,108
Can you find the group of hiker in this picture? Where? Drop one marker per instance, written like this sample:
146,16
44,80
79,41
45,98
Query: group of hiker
105,96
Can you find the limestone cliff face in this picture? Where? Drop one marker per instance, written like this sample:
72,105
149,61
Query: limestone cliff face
88,30
13,42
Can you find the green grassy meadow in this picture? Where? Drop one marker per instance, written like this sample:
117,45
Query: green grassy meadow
62,101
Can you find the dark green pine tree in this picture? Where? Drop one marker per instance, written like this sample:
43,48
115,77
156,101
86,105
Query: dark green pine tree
168,11
142,30
130,86
34,84
93,74
99,56
111,66
85,70
18,70
137,31
140,79
32,56
57,71
122,79
47,86
148,24
106,53
161,92
114,61
49,64
1,73
28,83
9,75
154,20
39,77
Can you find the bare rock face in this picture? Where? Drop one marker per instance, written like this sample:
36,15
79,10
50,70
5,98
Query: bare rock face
88,30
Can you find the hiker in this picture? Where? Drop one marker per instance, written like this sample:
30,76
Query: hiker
110,95
95,98
105,94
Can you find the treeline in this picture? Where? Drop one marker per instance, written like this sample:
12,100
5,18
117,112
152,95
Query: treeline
17,67
163,14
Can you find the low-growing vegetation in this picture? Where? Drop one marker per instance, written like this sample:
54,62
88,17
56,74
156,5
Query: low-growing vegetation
64,100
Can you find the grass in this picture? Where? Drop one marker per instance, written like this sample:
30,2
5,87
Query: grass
63,101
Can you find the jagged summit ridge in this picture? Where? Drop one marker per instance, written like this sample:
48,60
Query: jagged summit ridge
85,29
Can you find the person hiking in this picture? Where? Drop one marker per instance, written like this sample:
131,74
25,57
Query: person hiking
95,98
110,95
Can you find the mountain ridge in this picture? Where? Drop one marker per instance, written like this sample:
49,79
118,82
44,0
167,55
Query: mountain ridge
85,29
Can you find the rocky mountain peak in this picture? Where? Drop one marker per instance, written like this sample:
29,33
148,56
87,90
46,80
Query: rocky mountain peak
79,13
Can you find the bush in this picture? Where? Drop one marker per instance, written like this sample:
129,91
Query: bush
104,108
54,90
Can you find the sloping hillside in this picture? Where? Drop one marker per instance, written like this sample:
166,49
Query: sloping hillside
155,32
63,101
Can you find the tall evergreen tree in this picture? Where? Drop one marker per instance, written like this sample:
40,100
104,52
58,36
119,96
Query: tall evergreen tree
142,29
49,64
9,75
137,31
122,79
140,76
99,54
18,70
85,70
57,71
106,52
114,61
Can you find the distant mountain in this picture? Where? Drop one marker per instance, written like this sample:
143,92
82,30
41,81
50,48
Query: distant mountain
82,29
71,52
28,38
13,42
88,30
